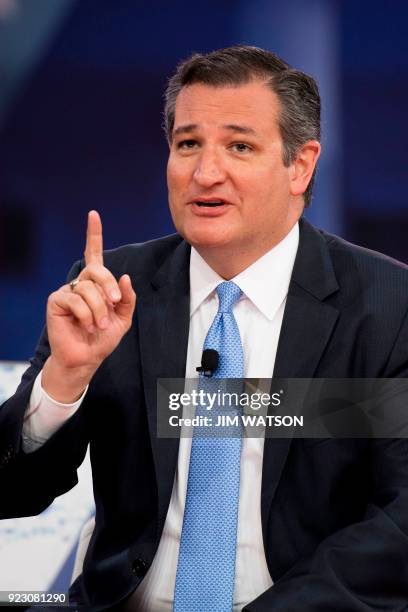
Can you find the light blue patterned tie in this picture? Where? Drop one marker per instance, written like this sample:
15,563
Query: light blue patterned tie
206,566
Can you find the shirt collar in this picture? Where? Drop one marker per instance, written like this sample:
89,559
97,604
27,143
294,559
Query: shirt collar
265,282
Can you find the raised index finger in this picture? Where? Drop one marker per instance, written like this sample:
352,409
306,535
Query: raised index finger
94,243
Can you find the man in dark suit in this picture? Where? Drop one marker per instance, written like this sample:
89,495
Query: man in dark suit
325,521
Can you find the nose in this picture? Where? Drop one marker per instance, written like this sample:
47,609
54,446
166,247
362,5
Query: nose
209,170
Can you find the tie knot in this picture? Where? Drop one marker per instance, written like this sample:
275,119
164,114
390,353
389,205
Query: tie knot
228,294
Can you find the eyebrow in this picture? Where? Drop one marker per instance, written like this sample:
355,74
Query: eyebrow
232,127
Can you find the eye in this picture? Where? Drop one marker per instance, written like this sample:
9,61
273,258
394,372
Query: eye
187,144
241,147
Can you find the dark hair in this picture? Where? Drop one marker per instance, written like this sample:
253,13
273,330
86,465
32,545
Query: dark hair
298,94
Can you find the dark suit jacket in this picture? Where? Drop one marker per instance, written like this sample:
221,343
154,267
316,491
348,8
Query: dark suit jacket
334,512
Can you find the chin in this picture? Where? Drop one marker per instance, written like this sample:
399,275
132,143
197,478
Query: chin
206,239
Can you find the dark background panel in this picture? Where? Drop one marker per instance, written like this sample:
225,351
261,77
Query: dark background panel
375,127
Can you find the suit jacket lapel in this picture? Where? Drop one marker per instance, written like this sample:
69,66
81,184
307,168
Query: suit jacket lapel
307,325
164,315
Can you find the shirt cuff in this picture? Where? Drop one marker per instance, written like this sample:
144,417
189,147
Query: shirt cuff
44,416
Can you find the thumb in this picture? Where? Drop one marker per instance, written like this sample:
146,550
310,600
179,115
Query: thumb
125,308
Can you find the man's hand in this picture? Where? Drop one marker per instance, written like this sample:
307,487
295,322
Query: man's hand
85,321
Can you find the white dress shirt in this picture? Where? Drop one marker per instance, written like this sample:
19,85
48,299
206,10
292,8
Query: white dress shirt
259,314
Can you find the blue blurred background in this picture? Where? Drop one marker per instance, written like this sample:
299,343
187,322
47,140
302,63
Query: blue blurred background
81,84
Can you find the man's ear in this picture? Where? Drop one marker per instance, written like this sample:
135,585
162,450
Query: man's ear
302,167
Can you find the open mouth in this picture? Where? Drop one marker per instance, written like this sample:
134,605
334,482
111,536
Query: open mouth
211,204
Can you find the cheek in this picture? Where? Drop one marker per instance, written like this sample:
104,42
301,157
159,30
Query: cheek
170,174
178,174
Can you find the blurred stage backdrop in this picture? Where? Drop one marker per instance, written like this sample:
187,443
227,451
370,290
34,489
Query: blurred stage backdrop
81,84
